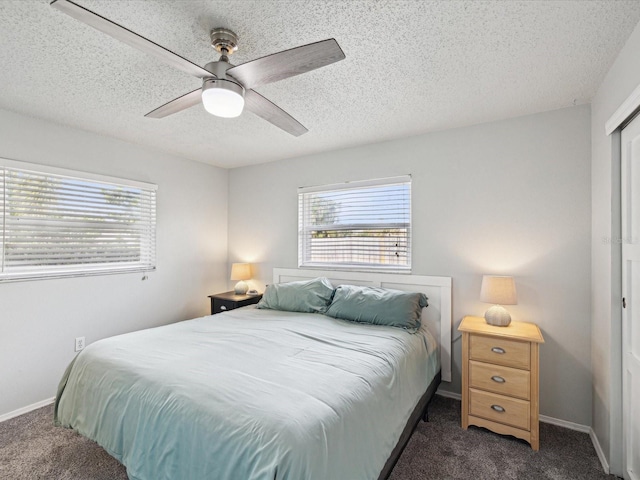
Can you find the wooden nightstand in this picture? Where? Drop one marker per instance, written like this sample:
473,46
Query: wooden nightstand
222,302
500,377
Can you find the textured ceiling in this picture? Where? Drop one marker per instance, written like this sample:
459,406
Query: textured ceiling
411,67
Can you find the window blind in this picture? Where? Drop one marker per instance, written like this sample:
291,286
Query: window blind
356,225
62,225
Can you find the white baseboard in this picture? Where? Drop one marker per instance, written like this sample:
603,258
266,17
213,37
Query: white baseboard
599,451
27,409
578,427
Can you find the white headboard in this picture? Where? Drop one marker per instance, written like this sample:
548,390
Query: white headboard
437,317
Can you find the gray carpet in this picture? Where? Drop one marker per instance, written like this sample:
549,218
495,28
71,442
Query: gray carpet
32,448
440,449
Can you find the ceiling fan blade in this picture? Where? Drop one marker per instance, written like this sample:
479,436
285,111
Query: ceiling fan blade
268,110
176,105
130,38
288,63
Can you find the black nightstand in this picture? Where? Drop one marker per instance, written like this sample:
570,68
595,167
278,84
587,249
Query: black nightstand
222,302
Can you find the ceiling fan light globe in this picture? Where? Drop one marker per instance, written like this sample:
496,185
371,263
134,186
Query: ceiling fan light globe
223,98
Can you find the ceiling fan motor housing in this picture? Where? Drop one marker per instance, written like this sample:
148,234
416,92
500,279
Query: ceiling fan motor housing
223,83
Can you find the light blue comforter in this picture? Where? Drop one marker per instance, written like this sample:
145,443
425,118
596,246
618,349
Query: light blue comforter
249,394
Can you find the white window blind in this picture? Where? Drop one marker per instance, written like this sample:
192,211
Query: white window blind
69,223
356,225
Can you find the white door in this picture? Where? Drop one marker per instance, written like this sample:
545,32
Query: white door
631,292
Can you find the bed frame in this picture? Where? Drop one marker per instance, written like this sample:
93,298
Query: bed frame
437,318
420,412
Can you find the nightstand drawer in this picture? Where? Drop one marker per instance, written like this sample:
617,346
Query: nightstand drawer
501,351
501,409
223,305
498,379
223,302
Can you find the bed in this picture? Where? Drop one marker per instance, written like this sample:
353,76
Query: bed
261,394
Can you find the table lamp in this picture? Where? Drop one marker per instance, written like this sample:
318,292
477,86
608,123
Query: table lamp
242,272
499,290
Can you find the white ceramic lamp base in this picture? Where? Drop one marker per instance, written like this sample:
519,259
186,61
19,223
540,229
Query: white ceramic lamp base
498,316
241,288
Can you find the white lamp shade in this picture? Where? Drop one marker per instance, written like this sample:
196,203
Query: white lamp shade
222,102
240,271
499,290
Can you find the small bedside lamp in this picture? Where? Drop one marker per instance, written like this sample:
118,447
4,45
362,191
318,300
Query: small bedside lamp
242,272
499,291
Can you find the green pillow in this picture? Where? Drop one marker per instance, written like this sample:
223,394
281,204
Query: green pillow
378,306
309,296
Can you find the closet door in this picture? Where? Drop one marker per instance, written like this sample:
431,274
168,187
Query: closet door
631,292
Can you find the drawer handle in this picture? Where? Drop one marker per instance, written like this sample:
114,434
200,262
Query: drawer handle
498,350
498,379
497,408
222,307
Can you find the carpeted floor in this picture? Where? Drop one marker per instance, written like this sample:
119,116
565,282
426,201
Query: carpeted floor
32,448
440,449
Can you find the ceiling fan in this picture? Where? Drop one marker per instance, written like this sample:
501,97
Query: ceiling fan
226,89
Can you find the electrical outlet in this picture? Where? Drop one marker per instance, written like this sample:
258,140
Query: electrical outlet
79,343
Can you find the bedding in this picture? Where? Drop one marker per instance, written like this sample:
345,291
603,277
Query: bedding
379,306
249,394
307,296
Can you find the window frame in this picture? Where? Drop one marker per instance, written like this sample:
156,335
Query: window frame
362,267
75,270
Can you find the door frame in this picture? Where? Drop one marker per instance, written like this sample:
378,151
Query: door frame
625,113
616,443
629,201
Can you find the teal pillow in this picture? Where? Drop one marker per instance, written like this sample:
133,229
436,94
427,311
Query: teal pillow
309,296
378,306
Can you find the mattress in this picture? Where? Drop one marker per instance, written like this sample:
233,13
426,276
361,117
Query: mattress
249,394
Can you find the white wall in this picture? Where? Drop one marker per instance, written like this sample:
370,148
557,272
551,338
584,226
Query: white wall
40,319
509,197
621,80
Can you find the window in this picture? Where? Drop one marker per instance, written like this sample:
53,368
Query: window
356,225
56,222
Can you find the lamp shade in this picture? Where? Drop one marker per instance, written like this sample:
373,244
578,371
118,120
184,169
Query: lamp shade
240,271
499,290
